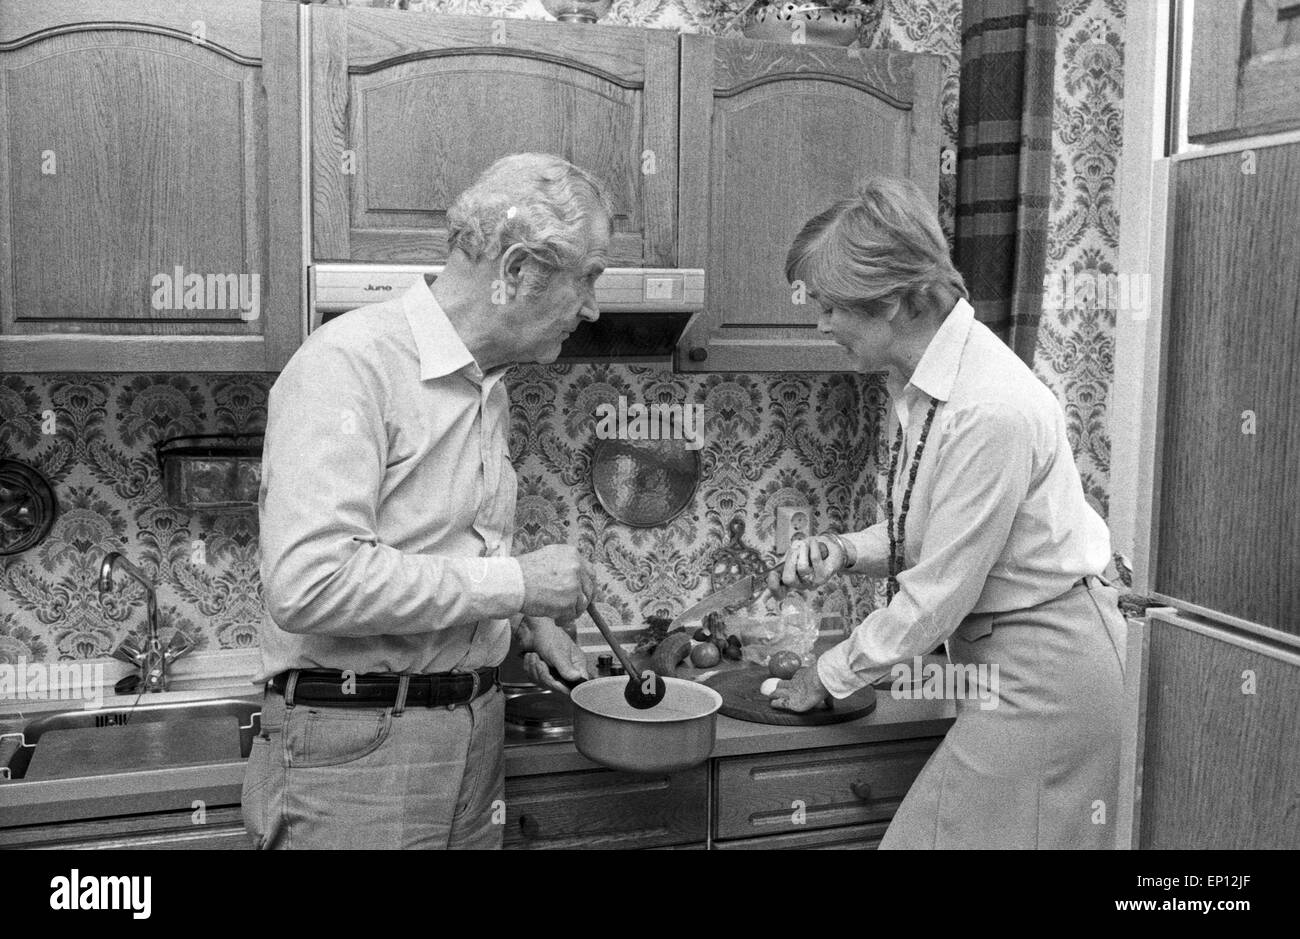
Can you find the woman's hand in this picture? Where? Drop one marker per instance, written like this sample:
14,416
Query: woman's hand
810,562
803,692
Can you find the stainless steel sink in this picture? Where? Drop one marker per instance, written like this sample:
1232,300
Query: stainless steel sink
247,712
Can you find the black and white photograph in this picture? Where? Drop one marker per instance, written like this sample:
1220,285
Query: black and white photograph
581,425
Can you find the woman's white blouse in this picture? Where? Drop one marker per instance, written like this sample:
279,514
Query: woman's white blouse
997,519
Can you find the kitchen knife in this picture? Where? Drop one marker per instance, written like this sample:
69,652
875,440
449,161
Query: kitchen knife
739,593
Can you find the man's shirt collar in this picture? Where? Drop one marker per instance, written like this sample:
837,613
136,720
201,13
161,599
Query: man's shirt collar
437,343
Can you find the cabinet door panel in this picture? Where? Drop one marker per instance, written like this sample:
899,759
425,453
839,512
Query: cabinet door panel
119,178
135,187
1221,768
1231,441
780,153
405,119
786,131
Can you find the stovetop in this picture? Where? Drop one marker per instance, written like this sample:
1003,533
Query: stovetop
537,716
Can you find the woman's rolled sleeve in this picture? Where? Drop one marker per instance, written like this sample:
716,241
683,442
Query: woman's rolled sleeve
871,546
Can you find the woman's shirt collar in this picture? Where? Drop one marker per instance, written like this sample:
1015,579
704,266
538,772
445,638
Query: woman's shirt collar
937,370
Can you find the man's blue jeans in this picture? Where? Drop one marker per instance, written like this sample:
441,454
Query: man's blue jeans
415,777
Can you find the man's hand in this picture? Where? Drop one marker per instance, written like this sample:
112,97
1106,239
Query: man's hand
810,562
558,582
803,692
546,645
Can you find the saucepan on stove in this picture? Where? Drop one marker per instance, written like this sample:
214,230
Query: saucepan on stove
675,734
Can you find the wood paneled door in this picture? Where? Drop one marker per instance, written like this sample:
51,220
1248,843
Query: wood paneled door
1245,69
1221,768
1228,522
778,132
135,219
407,110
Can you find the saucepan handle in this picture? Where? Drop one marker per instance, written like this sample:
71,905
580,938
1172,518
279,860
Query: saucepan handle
569,683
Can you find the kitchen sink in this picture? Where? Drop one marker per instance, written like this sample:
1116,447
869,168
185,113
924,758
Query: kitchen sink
180,719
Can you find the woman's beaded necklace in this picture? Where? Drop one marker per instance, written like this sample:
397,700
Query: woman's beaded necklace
897,545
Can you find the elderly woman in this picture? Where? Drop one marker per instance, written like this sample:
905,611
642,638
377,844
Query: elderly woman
988,545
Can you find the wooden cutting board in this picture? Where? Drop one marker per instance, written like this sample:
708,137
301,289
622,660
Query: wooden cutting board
742,699
94,751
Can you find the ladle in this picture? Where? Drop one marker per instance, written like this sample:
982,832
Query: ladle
635,694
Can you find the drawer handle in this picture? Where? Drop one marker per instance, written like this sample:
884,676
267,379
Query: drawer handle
861,789
529,827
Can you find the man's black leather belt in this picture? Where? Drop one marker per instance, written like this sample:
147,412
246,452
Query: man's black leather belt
326,687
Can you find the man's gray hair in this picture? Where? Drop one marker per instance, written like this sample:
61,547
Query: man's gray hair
536,200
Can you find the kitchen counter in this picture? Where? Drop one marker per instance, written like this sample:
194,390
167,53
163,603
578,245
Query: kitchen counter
215,784
892,719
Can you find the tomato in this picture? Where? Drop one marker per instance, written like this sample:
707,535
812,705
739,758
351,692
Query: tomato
783,665
705,655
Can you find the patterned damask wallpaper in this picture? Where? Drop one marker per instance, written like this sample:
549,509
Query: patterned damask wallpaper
770,439
1076,343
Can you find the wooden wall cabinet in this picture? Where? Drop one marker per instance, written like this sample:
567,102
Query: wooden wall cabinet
136,148
1245,75
153,140
408,109
778,132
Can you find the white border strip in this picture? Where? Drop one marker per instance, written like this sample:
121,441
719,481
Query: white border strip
1214,631
1236,146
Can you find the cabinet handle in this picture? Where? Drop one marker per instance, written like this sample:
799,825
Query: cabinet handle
698,354
528,826
861,789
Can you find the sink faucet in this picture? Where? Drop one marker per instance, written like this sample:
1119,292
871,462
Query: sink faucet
152,658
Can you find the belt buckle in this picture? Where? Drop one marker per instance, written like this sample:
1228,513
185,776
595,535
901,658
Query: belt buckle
473,691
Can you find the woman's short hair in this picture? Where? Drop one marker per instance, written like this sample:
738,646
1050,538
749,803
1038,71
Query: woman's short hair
880,247
536,200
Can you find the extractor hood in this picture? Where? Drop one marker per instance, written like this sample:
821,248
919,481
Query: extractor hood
643,311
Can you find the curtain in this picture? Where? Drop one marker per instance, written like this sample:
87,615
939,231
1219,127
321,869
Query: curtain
1004,132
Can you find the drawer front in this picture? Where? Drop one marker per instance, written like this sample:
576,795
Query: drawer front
848,838
223,827
793,792
601,809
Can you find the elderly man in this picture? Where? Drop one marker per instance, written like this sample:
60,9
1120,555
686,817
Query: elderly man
387,507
